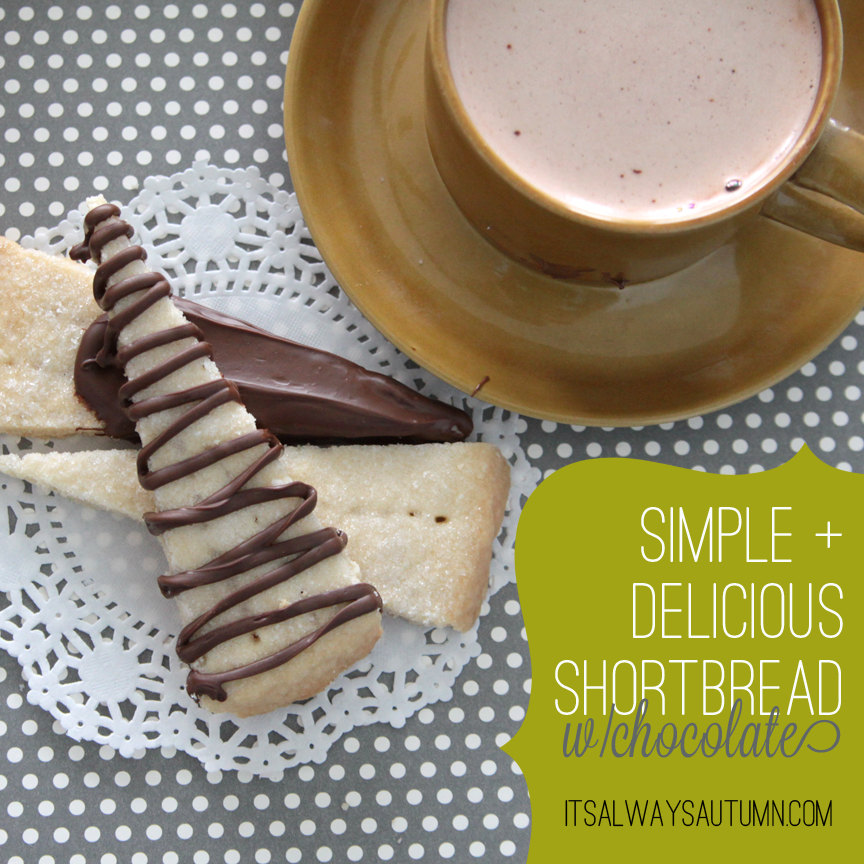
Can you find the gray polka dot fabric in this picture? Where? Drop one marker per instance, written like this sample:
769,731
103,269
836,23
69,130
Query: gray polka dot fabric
101,96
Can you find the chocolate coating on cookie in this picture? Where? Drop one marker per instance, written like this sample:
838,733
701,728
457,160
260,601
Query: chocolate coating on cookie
301,394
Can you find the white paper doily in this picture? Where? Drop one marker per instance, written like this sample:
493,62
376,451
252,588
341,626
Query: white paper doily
82,613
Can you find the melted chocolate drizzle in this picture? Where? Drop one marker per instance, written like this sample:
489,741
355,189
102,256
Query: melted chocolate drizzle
262,548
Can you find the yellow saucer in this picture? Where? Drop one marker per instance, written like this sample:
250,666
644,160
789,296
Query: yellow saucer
728,327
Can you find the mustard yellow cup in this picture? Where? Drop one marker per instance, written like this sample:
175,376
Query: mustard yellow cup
818,188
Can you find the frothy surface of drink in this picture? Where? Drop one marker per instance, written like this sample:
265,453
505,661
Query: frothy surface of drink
653,109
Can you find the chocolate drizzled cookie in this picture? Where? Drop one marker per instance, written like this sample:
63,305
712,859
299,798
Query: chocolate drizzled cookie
271,605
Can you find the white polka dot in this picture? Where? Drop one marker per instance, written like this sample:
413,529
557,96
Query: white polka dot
594,450
473,741
514,660
489,768
475,795
521,820
564,450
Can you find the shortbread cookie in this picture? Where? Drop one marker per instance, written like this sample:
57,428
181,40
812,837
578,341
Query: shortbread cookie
106,479
46,304
302,394
272,607
421,519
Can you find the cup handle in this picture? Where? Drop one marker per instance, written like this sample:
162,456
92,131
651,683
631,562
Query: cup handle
825,197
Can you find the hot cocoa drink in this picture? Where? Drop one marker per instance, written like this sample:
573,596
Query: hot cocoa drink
638,109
